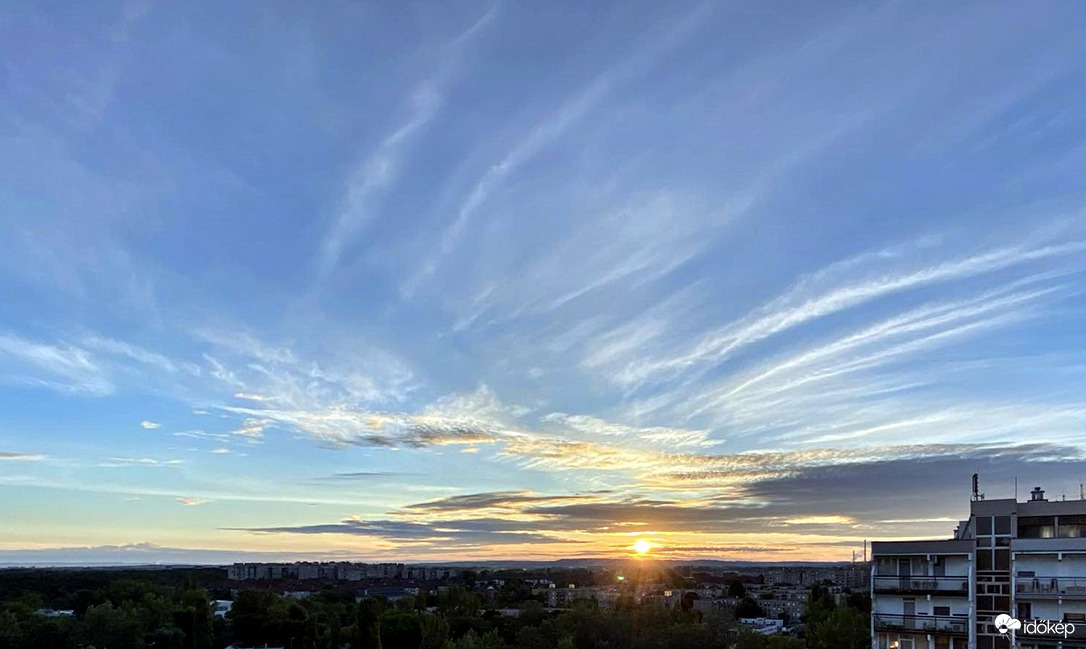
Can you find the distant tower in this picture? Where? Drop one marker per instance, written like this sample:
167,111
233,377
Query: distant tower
977,495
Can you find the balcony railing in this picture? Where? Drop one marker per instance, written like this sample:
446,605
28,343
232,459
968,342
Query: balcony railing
921,584
952,625
1072,587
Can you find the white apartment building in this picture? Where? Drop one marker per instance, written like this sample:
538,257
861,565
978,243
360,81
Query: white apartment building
1022,559
921,593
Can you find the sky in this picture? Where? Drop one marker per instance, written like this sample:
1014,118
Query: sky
448,281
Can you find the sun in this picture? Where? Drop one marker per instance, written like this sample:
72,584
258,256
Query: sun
642,546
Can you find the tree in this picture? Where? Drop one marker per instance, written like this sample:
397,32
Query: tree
252,619
751,640
435,633
11,632
843,628
199,620
167,637
491,640
534,637
859,601
367,625
106,626
736,588
748,608
400,627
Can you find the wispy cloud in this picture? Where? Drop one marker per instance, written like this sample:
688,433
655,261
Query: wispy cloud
149,425
11,456
360,475
374,175
446,536
873,363
199,434
381,168
838,288
62,367
343,426
596,427
192,502
551,127
254,370
140,462
139,354
253,428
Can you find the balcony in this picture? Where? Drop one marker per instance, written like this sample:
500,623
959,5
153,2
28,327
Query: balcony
1042,587
921,584
945,624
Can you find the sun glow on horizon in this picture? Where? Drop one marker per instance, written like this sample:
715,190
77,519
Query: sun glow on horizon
641,546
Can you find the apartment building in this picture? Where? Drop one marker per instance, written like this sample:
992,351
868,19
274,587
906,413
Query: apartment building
922,594
1026,560
338,571
852,576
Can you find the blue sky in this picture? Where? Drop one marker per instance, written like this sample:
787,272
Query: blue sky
470,280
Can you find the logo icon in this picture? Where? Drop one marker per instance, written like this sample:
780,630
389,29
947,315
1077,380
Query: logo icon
1005,624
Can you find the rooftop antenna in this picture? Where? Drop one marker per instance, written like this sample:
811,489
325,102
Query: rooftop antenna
977,495
1081,493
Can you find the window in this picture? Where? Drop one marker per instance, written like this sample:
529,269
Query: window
1025,611
984,525
1074,617
1002,524
1072,527
1036,527
940,610
1002,559
884,641
984,559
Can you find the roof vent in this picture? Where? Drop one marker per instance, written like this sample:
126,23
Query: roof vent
1037,495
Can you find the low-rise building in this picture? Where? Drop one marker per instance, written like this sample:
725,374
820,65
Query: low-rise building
762,625
391,593
220,607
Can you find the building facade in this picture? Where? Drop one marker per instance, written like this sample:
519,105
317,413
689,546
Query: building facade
1024,560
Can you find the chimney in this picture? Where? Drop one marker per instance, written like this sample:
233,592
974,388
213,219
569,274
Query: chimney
1037,495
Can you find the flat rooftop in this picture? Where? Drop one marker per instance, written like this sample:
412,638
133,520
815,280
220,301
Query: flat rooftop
931,546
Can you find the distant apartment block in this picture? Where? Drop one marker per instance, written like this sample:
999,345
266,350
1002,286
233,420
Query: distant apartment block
853,576
337,571
1026,560
556,597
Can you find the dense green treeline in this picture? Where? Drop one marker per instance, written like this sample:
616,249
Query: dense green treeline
152,611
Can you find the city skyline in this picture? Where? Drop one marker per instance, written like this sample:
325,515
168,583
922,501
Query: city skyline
490,280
